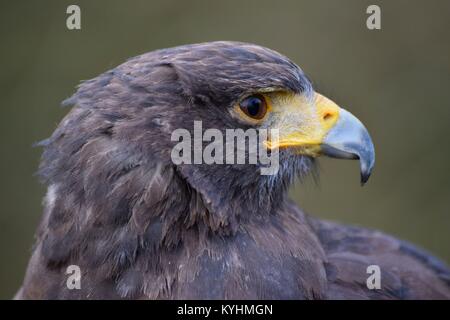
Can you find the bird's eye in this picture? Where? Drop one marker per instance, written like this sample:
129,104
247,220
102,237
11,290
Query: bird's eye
254,106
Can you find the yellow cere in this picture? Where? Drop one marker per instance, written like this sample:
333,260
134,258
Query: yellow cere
303,123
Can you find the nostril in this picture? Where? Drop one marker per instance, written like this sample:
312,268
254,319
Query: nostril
327,116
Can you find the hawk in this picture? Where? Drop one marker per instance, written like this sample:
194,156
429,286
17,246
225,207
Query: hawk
139,226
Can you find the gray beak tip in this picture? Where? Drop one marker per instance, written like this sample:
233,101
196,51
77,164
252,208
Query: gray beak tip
366,171
349,139
364,178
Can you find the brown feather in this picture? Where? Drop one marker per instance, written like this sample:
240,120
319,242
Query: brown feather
140,227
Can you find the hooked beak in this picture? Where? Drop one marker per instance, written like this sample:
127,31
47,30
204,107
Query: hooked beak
349,139
331,131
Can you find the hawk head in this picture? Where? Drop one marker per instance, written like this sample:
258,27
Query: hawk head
112,154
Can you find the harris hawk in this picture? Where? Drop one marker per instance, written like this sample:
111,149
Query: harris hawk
139,226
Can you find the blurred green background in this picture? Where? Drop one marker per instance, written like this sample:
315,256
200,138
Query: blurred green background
396,80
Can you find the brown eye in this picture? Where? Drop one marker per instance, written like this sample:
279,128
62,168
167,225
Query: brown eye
254,106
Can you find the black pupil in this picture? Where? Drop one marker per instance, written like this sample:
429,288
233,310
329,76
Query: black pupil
253,105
